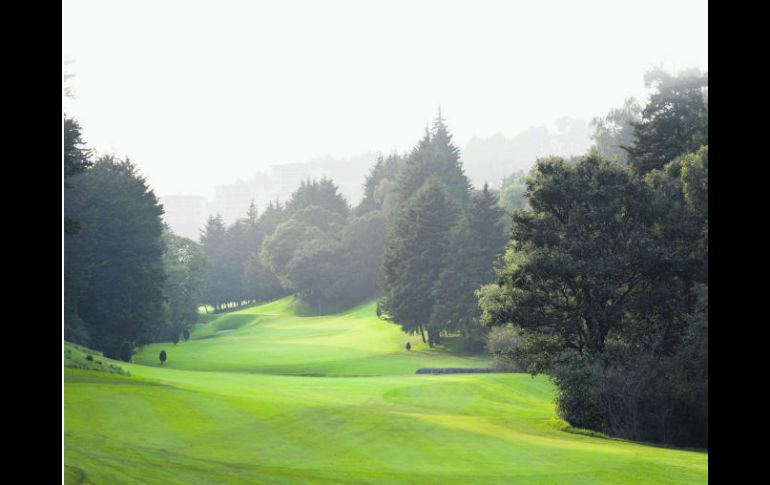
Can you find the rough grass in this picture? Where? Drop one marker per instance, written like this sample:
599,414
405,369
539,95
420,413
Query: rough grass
234,407
79,357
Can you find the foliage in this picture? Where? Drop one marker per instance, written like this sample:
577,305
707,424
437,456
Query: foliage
322,193
435,155
376,185
674,122
513,192
504,342
113,264
417,246
220,281
476,245
614,132
183,264
76,158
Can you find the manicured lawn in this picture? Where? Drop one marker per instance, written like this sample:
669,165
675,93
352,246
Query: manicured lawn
246,405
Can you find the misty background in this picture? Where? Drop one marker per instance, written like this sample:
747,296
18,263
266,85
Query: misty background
222,103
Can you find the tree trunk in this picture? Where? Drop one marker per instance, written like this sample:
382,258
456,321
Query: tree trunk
422,333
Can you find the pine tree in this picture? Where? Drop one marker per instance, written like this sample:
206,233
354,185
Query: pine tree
214,242
76,159
477,243
435,155
113,295
416,249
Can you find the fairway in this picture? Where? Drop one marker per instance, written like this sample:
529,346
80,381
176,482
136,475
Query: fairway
264,395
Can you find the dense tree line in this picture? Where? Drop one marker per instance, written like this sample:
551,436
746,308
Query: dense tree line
605,282
314,246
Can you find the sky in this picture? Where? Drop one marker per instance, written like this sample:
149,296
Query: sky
200,93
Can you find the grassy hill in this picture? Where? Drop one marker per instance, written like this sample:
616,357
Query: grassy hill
263,395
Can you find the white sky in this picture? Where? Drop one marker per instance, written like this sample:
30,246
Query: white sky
199,93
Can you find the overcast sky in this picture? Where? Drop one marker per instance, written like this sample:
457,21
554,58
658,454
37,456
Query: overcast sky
199,93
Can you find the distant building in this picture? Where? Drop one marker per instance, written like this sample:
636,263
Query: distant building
232,201
185,214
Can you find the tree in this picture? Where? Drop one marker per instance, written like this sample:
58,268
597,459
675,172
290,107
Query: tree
362,247
162,357
305,256
585,255
76,159
259,283
434,156
476,245
114,266
513,192
216,275
186,334
380,176
674,122
183,264
606,284
615,131
322,193
416,248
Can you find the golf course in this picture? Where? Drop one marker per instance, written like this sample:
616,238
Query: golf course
269,394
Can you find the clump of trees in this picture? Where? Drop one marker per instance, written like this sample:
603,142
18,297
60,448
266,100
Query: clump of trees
324,253
442,243
233,272
113,263
605,279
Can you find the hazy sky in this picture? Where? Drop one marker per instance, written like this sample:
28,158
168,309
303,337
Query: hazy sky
199,93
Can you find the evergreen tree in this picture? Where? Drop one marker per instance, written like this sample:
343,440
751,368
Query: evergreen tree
416,249
259,283
323,193
434,156
214,243
76,158
674,122
377,183
113,296
477,243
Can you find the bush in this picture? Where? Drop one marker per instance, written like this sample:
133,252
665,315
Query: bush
506,344
408,346
639,396
162,356
175,337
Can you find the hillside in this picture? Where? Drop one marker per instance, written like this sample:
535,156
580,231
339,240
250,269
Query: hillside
263,395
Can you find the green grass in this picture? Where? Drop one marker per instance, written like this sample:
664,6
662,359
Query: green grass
237,404
79,357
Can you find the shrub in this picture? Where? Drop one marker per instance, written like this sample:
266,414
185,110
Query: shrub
408,346
89,357
506,344
175,338
162,356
